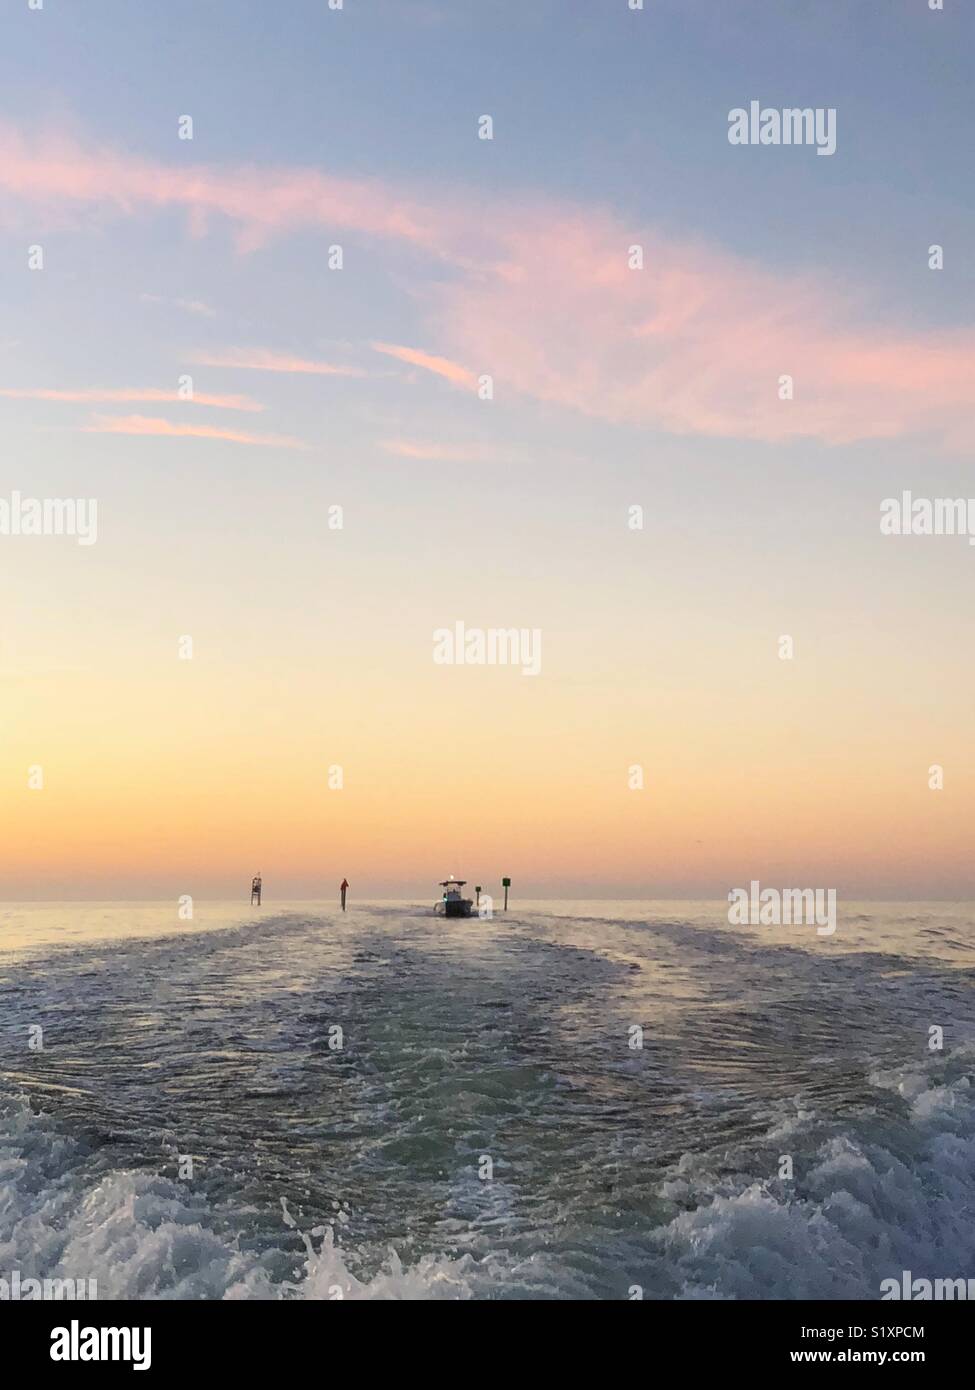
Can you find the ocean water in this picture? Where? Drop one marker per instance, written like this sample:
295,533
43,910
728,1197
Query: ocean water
471,1047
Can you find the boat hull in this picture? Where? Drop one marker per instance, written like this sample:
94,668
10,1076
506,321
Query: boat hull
461,909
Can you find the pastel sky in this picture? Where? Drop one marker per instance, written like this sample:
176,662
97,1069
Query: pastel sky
316,387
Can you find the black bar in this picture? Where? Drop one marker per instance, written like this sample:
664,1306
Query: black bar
727,1338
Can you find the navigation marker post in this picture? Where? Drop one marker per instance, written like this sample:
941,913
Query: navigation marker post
506,884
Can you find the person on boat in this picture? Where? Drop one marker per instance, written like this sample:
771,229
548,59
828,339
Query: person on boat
343,888
256,889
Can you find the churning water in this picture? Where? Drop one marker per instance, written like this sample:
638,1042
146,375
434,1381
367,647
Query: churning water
387,1104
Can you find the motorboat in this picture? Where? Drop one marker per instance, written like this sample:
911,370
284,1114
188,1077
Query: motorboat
452,901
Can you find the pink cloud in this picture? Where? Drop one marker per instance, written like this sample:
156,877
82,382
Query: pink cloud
123,395
446,453
540,296
697,341
56,170
148,425
260,360
440,366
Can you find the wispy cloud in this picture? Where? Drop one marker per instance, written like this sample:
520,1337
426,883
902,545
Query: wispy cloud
189,306
439,452
130,395
60,171
541,297
696,343
441,366
148,425
260,360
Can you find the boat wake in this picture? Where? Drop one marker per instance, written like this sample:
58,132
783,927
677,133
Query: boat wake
393,1105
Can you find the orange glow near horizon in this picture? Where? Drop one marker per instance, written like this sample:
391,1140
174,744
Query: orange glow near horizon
189,777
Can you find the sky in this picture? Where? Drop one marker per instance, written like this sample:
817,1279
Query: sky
455,425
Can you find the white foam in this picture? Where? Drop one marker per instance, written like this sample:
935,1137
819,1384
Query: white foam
141,1235
861,1208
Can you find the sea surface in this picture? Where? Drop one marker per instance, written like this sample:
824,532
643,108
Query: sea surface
292,1103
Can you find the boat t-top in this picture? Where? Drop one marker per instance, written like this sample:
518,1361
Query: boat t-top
452,903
